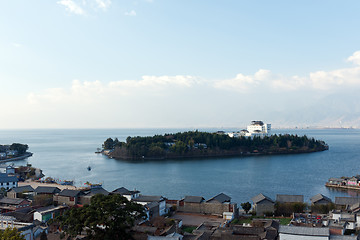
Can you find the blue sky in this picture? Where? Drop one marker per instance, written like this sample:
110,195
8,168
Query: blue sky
157,63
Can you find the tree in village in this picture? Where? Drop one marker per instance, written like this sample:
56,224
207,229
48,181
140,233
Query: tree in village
246,206
107,217
11,233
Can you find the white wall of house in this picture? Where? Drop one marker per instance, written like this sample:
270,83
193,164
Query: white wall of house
162,208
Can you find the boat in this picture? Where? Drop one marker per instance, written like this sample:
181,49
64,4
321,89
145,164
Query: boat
89,168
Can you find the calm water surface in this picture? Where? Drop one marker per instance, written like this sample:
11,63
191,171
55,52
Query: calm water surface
66,154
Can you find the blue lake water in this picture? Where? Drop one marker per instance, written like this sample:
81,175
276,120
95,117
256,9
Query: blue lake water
66,154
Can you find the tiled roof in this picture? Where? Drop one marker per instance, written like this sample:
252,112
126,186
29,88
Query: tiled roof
305,231
260,197
346,200
69,193
124,191
95,191
193,199
146,198
11,201
221,198
283,198
45,189
26,188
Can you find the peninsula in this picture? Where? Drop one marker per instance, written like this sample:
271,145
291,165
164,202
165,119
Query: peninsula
196,144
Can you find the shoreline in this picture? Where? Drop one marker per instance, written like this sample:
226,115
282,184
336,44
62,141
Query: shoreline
210,156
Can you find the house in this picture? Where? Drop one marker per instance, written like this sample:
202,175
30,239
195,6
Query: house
69,197
45,190
152,202
263,204
7,168
21,192
130,195
220,198
46,213
12,204
320,199
337,181
283,198
8,181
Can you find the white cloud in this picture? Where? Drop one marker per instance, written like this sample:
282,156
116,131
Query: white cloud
103,4
132,13
355,58
72,7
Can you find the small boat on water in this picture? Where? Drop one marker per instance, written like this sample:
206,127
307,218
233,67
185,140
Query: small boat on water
89,168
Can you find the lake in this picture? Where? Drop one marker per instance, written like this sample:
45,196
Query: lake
66,153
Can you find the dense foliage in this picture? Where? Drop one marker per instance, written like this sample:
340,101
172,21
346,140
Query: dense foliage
11,233
107,217
192,142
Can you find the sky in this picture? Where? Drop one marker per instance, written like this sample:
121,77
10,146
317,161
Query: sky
179,63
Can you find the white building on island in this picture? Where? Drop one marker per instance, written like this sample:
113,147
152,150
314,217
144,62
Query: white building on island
256,128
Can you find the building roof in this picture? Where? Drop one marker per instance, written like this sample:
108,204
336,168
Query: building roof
70,193
260,197
46,189
147,198
95,191
125,191
4,178
221,198
304,231
319,197
26,188
283,198
193,199
11,201
346,200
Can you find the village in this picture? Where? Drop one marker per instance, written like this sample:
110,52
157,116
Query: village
30,207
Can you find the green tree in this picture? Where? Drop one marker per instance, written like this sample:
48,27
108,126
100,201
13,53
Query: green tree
11,234
246,206
108,144
107,217
21,148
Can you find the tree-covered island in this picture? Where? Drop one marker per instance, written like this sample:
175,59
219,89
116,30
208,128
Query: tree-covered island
15,151
203,144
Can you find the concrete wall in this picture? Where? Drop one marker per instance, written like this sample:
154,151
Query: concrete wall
63,199
208,208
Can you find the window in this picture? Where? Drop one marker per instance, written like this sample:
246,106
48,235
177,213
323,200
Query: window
7,183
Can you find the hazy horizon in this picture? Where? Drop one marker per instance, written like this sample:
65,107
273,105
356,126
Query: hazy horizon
93,64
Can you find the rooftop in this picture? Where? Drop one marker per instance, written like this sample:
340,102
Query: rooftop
193,199
305,231
221,198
